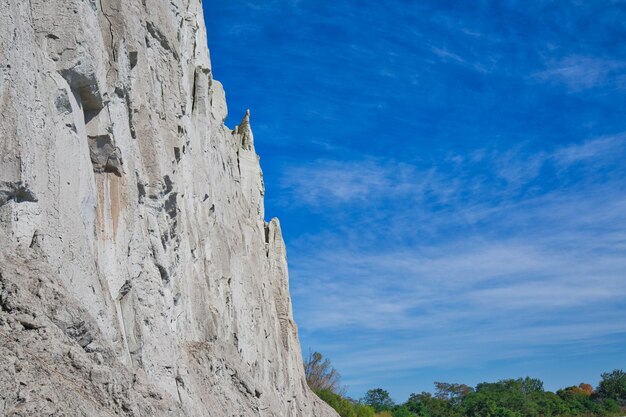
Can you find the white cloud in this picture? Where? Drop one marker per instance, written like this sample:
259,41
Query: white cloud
609,146
447,55
580,73
492,275
454,181
332,182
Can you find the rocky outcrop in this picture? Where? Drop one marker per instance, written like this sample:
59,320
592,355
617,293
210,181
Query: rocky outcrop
137,274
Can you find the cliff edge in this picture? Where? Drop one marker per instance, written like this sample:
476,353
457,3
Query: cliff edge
138,276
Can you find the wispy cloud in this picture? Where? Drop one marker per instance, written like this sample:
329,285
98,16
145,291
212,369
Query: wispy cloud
539,271
580,73
445,54
327,182
609,146
335,182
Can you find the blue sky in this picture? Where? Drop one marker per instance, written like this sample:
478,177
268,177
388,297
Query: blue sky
450,178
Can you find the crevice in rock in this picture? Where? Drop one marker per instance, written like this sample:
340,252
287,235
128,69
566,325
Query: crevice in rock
267,234
141,191
193,91
125,289
110,31
165,276
169,185
179,384
133,57
34,242
170,206
16,191
157,35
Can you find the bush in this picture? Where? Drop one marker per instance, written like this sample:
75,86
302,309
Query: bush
364,410
341,405
345,407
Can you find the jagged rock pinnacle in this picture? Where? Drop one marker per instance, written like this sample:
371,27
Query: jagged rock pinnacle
244,133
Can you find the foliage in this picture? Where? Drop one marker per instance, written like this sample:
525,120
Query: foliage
363,410
613,386
585,388
402,411
345,407
320,375
426,405
521,397
324,380
452,392
522,386
341,405
378,399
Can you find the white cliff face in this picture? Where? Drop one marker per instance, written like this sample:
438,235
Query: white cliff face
137,274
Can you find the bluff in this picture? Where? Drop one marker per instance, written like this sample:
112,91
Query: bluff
138,276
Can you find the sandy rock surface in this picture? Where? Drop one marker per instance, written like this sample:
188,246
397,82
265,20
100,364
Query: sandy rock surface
138,276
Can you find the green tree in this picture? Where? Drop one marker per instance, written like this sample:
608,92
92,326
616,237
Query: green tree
480,405
426,405
613,386
610,406
415,403
378,399
529,385
550,404
402,411
507,397
452,392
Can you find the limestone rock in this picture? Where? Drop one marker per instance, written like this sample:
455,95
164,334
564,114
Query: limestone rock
138,276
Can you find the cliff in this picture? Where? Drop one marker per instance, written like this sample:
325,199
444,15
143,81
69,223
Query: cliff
138,276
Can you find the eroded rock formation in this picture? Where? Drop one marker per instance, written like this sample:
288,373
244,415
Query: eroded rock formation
137,274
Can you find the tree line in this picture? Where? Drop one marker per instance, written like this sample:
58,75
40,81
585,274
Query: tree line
521,397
